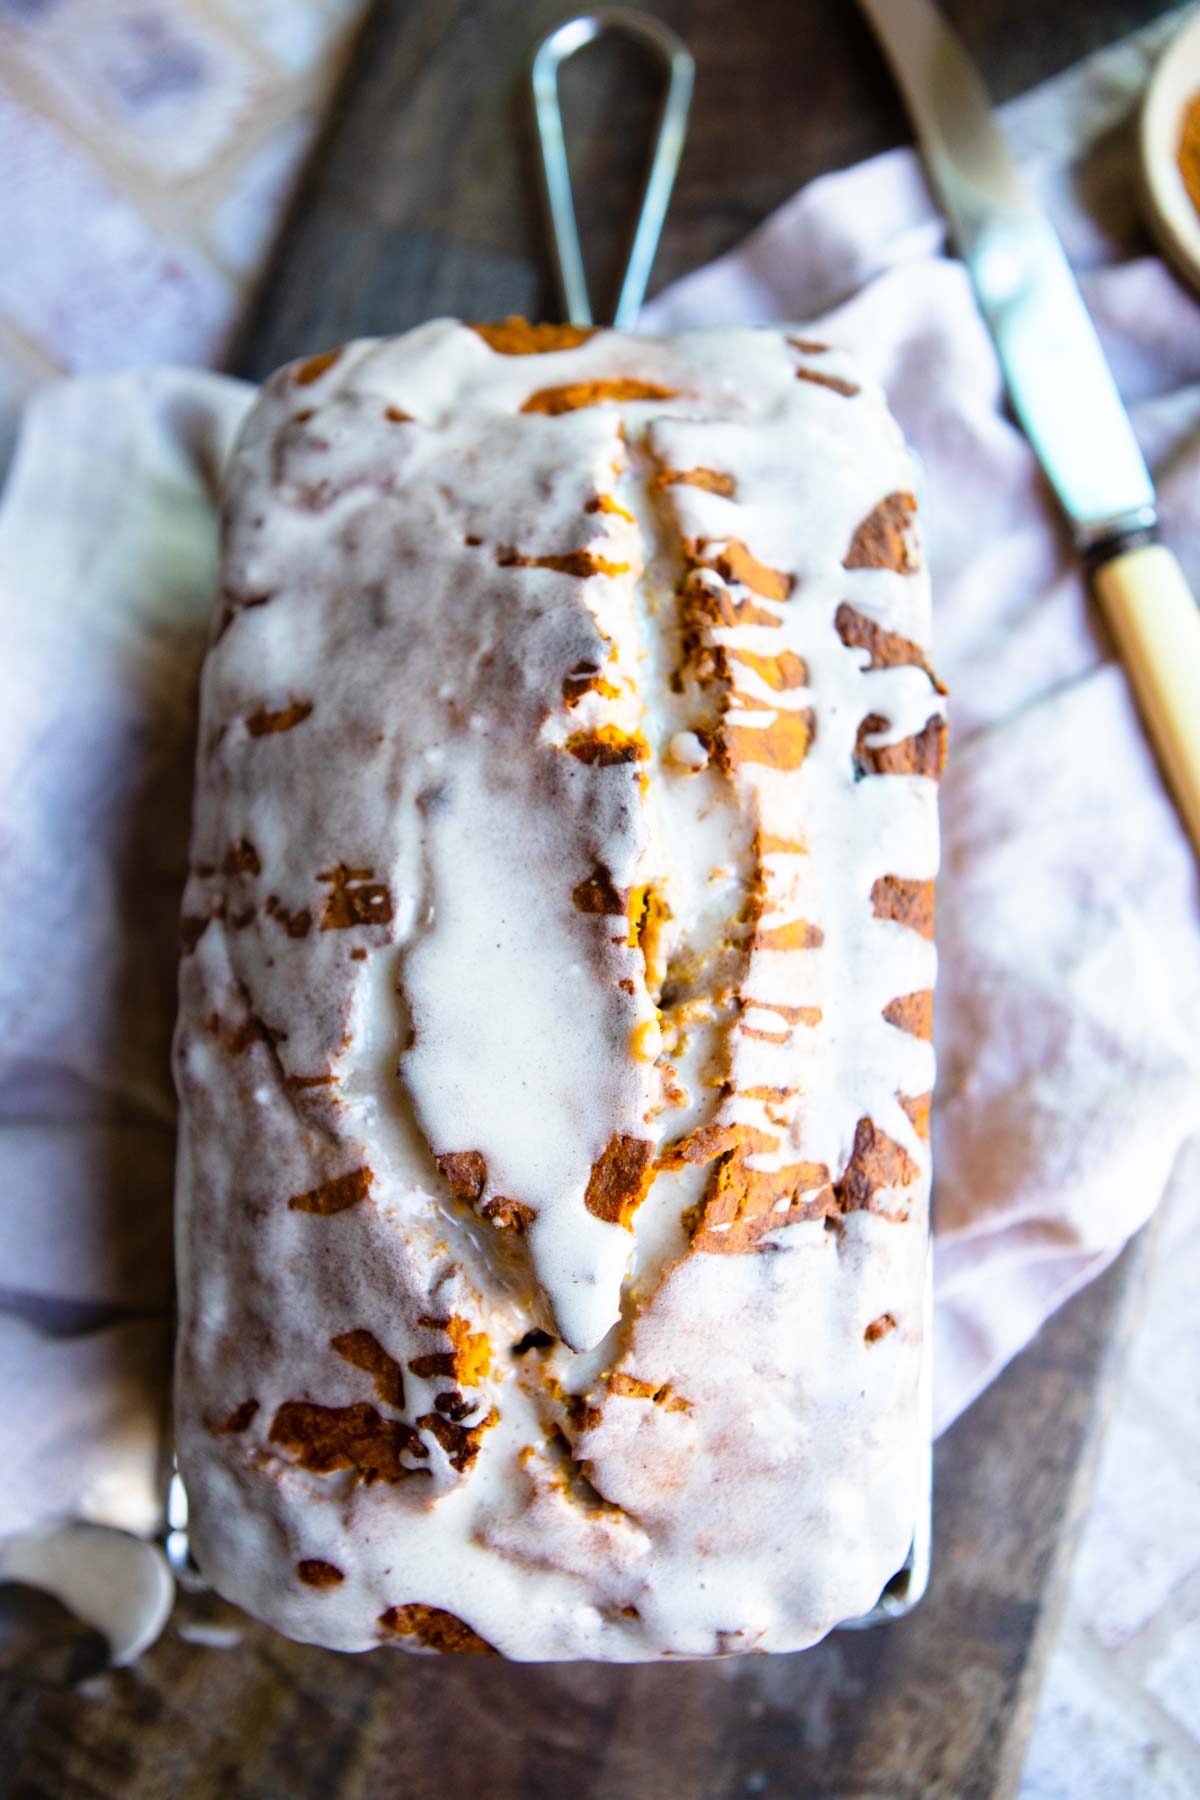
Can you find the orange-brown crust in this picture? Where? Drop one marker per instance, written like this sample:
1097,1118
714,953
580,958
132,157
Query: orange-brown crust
600,894
922,754
366,1352
917,1107
466,1171
791,1015
581,1414
649,915
608,503
313,367
508,1215
701,605
630,1388
735,562
586,678
907,902
354,899
883,540
607,746
314,1572
460,1442
242,859
435,1629
335,1195
799,934
554,401
743,1204
766,843
571,562
516,336
912,1013
876,1163
241,1418
837,383
239,1038
708,1142
711,480
297,924
468,1359
783,744
327,1438
888,650
783,672
620,1179
262,722
191,929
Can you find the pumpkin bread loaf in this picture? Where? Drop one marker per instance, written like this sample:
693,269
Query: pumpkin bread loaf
555,1001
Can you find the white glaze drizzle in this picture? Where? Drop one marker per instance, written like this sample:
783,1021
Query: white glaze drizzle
418,759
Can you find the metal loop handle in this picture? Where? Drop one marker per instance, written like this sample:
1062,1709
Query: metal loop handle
551,53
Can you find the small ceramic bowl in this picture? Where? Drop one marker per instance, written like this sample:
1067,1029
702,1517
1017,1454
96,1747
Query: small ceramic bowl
1172,214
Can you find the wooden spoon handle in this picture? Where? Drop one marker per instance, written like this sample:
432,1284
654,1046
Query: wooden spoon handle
1155,621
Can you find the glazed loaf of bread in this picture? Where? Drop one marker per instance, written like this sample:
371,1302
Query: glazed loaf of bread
554,1036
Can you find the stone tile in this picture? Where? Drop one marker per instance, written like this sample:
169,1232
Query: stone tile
1181,1205
1088,1745
1165,1356
83,274
1173,1676
160,84
87,1412
1142,1537
252,205
16,384
295,32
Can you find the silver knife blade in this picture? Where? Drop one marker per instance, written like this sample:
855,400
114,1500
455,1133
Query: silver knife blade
1060,384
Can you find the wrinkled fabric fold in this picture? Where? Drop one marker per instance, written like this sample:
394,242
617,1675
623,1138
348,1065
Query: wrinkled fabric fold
1068,924
1068,930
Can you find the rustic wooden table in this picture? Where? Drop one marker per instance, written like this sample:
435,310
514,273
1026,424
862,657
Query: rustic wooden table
421,199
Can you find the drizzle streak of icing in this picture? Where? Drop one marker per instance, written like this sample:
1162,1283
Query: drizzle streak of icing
602,791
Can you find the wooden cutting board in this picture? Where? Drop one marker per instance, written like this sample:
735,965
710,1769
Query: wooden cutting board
421,199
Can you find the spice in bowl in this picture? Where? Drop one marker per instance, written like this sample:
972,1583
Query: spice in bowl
1189,149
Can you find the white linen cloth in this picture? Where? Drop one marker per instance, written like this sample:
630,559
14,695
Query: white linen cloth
1068,1013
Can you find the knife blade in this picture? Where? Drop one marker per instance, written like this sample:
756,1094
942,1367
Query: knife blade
1060,385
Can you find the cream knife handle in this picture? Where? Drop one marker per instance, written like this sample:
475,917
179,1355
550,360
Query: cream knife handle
1154,618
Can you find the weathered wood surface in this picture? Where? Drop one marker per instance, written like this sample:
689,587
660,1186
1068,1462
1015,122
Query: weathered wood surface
420,199
935,1707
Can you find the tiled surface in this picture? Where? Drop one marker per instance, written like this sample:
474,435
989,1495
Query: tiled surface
157,85
86,276
1119,1716
148,147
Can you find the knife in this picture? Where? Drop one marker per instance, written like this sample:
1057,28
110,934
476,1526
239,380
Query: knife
1058,381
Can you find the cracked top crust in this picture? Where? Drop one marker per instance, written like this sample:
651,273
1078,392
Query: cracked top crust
555,996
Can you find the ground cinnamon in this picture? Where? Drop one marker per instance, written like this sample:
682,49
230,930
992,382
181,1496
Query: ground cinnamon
1189,149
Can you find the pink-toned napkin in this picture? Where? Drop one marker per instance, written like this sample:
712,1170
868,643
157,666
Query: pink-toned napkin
1069,926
